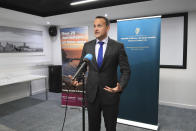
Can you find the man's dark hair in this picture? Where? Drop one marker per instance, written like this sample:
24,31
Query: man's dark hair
106,20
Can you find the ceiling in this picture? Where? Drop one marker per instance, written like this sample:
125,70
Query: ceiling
47,8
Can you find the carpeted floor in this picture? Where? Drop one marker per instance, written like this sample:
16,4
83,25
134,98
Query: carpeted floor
36,114
5,128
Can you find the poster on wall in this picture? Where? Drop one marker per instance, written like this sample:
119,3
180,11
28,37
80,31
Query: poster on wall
17,40
72,41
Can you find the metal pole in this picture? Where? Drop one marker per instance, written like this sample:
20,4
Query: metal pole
46,86
30,86
83,103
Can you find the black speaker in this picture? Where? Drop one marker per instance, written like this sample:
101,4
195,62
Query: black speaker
55,78
52,30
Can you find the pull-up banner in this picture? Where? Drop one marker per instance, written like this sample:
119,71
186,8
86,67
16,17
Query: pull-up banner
139,100
72,42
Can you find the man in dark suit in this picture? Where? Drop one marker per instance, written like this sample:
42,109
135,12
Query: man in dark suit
103,87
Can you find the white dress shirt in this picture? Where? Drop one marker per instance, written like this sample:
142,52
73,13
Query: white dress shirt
98,45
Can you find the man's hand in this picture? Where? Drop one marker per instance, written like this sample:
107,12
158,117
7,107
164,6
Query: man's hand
74,82
113,90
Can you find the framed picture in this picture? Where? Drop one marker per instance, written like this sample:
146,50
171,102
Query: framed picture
174,30
17,40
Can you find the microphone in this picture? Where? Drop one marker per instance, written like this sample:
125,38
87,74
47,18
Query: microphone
86,60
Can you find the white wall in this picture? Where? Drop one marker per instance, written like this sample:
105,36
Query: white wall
11,64
178,86
56,49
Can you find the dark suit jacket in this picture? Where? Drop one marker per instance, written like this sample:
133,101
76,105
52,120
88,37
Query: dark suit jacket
107,75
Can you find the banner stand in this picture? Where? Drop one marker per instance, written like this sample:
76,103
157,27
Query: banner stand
72,42
140,99
138,124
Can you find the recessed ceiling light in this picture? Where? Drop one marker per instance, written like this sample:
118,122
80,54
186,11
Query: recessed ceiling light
106,15
48,23
82,2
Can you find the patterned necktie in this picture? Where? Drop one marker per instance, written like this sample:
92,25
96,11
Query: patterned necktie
100,54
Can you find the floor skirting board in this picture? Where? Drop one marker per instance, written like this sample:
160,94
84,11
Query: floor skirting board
179,105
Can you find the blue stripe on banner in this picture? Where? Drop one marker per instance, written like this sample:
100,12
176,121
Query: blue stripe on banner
139,100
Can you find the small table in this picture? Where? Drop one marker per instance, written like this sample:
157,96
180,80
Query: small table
13,79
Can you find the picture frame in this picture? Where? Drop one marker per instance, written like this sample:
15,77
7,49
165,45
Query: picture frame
19,41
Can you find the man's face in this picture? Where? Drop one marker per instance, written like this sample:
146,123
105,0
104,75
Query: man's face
100,28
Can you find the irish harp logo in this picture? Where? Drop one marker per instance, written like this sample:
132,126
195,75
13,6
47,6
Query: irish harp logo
137,31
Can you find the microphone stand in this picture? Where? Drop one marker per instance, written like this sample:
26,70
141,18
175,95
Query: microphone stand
83,102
